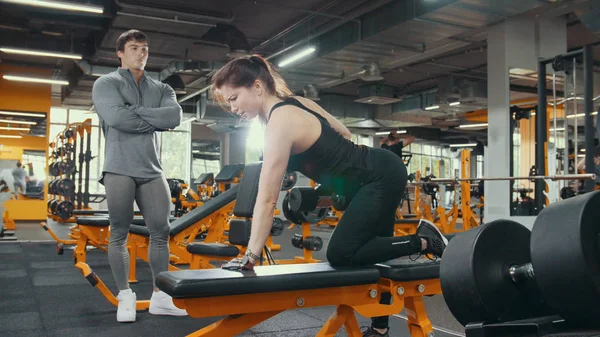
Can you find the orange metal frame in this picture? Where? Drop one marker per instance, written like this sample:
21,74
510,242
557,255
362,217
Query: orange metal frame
252,309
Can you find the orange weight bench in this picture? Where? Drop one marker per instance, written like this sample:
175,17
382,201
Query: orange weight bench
100,222
210,218
247,298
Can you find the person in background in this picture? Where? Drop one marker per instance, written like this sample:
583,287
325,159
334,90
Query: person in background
19,175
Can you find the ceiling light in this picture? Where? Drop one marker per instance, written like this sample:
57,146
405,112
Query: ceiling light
15,113
10,136
557,129
69,6
388,132
10,128
463,145
432,107
480,125
297,56
40,53
34,80
454,103
582,114
12,121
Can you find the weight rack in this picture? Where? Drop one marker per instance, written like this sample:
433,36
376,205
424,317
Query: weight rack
69,188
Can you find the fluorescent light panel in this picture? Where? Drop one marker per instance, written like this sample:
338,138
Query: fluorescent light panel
10,136
432,107
16,113
13,128
39,53
594,113
466,126
12,121
68,6
454,103
463,145
34,80
297,56
388,132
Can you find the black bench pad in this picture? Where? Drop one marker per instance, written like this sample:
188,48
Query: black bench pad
404,269
264,279
204,177
214,249
139,230
94,212
103,221
229,172
203,211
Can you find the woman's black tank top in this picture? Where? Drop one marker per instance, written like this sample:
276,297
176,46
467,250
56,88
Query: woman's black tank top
332,161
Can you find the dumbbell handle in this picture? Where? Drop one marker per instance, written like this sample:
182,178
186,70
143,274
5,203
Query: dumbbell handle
520,272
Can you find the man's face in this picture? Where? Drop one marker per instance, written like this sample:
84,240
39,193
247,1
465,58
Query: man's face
134,55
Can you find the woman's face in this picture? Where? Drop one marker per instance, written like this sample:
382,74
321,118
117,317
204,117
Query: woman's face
244,102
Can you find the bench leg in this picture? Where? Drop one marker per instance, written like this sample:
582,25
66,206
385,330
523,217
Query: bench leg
344,315
234,325
418,322
96,282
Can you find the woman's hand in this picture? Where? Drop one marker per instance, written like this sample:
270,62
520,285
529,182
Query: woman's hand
239,263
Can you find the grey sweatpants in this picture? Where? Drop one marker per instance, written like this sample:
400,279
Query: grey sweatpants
154,201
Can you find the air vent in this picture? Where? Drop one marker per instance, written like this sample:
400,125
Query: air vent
377,94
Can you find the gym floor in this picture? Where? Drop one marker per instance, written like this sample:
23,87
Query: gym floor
44,295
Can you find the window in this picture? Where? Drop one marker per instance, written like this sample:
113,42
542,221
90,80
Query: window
176,149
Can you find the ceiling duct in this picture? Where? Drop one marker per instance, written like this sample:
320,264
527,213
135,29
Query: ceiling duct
232,37
311,92
176,83
372,72
473,92
377,94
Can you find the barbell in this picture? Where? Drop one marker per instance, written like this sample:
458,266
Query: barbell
501,271
585,176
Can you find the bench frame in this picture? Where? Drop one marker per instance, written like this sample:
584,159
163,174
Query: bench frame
251,309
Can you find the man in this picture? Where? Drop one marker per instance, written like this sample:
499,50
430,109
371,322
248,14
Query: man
393,143
132,108
581,165
19,175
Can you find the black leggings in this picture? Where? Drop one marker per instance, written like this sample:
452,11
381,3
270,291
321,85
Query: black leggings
365,233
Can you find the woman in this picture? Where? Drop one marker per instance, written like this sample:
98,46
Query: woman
301,136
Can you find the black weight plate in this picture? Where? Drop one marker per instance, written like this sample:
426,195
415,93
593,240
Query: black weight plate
287,212
289,180
565,255
65,209
474,274
303,198
314,216
277,227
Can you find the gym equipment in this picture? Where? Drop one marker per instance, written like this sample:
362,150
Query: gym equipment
277,227
308,198
567,192
64,209
289,180
502,272
586,176
313,243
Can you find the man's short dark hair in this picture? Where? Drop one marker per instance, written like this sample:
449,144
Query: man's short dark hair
130,35
19,164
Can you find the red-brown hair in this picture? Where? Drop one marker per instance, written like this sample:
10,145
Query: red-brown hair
243,71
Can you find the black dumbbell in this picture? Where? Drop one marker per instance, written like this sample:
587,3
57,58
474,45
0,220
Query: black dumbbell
313,243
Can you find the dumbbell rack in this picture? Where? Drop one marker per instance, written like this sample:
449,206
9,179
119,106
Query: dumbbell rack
69,189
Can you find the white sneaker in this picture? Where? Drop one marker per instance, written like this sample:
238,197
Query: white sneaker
126,309
162,304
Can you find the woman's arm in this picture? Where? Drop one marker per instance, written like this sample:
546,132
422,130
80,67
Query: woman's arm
279,138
